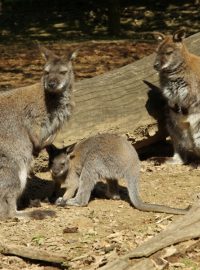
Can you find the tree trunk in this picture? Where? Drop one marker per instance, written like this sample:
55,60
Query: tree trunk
114,17
120,101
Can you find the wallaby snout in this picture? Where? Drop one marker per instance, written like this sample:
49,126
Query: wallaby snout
52,84
58,72
59,170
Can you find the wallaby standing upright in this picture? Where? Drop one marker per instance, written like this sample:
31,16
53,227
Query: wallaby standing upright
29,120
179,73
105,156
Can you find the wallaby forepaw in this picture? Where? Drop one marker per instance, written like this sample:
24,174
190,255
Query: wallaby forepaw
157,160
116,197
112,196
60,202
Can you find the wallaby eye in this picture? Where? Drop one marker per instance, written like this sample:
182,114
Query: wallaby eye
62,163
169,52
63,72
46,72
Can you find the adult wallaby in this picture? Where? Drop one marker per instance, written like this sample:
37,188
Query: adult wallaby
105,156
179,73
29,120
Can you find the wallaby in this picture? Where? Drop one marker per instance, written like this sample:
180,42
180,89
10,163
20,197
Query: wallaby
105,156
58,165
179,73
29,120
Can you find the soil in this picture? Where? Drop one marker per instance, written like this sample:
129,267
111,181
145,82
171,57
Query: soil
105,228
90,236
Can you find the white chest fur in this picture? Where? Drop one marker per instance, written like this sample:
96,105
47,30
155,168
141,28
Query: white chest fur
23,176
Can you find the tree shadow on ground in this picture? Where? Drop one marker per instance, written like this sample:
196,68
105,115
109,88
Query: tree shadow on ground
40,190
79,19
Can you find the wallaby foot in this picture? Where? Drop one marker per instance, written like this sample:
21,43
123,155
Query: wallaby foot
75,202
114,196
176,159
36,214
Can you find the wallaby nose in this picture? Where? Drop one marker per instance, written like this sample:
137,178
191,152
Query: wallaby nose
52,84
55,171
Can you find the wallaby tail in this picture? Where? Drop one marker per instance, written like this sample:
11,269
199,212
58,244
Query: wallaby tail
36,214
149,207
139,204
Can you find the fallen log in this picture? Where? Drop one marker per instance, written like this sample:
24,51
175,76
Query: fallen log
184,228
119,101
144,264
32,253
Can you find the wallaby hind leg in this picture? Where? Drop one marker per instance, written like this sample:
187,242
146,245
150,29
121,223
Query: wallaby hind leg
8,207
11,186
87,180
112,189
12,210
4,209
10,189
72,183
12,205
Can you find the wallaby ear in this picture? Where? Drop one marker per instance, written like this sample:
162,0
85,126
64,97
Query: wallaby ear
46,53
159,36
72,56
51,150
179,35
70,148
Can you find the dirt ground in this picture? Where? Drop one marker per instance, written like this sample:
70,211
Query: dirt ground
105,228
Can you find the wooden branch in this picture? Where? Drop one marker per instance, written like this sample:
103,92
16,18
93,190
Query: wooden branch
31,253
184,228
120,101
123,264
145,264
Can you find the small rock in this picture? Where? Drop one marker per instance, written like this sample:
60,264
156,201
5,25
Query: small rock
70,230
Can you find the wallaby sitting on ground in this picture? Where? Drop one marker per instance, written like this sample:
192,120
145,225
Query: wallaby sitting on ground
105,156
179,73
29,120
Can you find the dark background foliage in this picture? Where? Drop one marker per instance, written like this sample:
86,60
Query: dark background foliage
86,19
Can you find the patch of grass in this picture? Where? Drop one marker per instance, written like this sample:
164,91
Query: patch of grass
39,240
189,263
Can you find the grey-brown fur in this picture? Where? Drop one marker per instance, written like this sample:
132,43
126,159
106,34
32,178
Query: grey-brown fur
179,73
58,80
105,156
29,120
58,164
